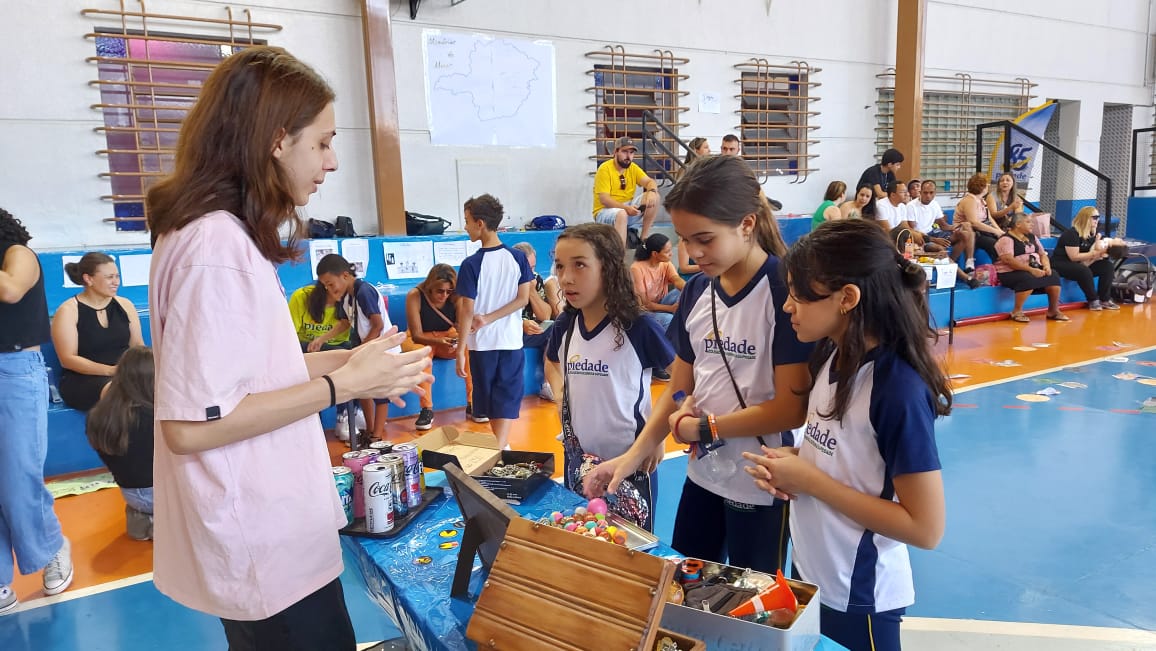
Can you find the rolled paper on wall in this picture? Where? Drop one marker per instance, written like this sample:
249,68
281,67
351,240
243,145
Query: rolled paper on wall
778,596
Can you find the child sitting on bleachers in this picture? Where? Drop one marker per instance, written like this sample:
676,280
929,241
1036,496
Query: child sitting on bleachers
120,429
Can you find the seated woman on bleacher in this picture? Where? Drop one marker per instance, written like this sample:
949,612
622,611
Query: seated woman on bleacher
853,209
120,429
91,330
430,313
1081,255
972,209
1024,268
656,281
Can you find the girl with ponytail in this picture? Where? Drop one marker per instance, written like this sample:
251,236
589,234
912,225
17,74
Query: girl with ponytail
741,369
865,482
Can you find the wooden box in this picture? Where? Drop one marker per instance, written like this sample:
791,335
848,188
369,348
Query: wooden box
551,589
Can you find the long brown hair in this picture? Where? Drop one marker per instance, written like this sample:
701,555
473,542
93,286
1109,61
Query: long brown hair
131,390
622,304
224,157
439,273
724,189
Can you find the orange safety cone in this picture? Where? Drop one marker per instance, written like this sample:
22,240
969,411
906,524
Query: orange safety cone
777,596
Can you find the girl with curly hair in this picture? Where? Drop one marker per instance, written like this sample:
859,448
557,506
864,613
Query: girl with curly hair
607,346
740,366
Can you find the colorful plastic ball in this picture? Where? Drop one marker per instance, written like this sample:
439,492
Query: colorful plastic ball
581,510
597,505
571,527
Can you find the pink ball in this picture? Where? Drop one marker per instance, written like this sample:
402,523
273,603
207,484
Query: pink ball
597,505
571,527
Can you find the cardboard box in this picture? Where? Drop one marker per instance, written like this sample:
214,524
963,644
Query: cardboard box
516,490
469,450
476,453
722,633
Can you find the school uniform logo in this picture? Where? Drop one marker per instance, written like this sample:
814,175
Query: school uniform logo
821,438
578,365
714,342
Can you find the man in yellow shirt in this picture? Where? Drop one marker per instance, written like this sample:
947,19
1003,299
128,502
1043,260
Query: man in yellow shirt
617,200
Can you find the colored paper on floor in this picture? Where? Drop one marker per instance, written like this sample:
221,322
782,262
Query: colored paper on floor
1049,391
1006,363
1024,349
1042,345
1118,360
1032,397
1073,385
1146,363
1046,380
1147,382
1125,376
80,485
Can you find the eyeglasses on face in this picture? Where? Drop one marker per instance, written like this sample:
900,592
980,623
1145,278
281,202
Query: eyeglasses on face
621,181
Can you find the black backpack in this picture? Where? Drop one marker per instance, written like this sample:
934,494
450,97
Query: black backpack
419,224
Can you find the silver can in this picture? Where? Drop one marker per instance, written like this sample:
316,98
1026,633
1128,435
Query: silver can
413,473
397,484
382,447
378,479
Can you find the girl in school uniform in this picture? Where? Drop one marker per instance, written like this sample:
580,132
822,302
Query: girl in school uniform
738,362
246,512
607,345
865,481
362,311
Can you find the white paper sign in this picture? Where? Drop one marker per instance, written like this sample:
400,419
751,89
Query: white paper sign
709,102
945,275
357,252
408,259
319,249
453,252
134,269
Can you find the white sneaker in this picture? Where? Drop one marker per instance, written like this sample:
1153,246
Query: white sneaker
341,429
546,392
8,599
58,572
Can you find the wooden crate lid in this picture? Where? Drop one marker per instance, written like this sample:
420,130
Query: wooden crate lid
553,589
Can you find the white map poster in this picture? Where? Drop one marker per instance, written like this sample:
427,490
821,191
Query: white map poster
489,91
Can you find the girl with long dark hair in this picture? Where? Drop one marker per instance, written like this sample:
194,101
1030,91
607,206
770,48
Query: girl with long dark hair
865,480
120,429
607,346
743,371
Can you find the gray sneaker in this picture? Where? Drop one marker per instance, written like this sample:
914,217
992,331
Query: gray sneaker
138,524
58,572
8,599
1095,306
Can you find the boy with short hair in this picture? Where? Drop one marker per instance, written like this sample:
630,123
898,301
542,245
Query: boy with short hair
493,287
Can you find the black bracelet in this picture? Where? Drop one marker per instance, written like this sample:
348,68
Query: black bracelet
332,390
704,435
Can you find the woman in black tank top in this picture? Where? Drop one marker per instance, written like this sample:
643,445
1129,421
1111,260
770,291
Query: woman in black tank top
430,315
91,330
32,531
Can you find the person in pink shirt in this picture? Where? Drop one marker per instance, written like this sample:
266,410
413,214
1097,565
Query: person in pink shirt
656,281
246,510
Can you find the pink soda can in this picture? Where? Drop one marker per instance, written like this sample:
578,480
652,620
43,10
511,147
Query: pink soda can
356,460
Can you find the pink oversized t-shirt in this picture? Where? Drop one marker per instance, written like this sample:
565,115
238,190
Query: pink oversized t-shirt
248,529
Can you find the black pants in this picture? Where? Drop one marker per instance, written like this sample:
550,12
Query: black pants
985,242
1101,270
716,529
318,622
862,632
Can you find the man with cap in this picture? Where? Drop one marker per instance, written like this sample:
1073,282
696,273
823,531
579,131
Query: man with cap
624,196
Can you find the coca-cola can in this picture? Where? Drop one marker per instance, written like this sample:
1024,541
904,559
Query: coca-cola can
414,478
355,460
400,499
378,480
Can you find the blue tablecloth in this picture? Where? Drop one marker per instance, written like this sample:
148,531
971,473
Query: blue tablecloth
416,596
